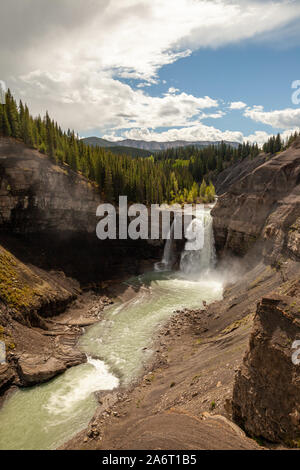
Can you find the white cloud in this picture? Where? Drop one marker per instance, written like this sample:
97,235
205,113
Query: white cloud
143,84
237,105
133,37
192,133
217,115
197,132
89,102
173,90
281,119
230,21
68,57
260,137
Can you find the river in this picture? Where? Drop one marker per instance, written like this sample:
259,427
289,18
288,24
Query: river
47,415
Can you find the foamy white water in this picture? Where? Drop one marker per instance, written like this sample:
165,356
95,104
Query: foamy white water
78,388
168,257
45,416
195,262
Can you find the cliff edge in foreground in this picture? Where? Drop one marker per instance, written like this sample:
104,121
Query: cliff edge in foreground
259,216
266,398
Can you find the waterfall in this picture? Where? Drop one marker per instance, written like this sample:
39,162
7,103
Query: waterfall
192,261
168,257
203,259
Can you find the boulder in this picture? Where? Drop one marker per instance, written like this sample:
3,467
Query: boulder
70,356
34,369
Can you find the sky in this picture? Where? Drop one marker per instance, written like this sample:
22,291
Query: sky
156,69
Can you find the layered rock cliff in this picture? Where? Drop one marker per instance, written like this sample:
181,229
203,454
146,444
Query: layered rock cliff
259,216
262,205
53,211
266,395
38,196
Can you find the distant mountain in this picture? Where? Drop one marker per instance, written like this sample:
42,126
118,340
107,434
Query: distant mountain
156,146
117,149
98,141
131,151
152,146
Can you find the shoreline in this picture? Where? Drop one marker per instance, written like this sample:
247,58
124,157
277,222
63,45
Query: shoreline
66,327
187,382
109,398
116,406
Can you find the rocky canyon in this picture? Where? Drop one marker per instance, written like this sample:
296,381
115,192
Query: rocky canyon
222,375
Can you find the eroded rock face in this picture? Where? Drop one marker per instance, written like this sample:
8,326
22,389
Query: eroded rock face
7,376
53,211
266,396
259,216
262,205
235,172
70,356
36,195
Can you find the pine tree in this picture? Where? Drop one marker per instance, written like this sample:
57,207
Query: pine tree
203,189
5,125
26,127
12,115
277,144
50,139
194,192
219,165
108,185
212,190
74,162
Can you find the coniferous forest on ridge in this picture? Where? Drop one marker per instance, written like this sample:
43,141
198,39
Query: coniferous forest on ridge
183,174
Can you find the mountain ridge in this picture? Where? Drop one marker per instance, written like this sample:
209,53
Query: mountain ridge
152,145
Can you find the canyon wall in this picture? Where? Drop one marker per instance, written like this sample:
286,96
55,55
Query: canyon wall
263,206
38,196
258,218
266,398
48,218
